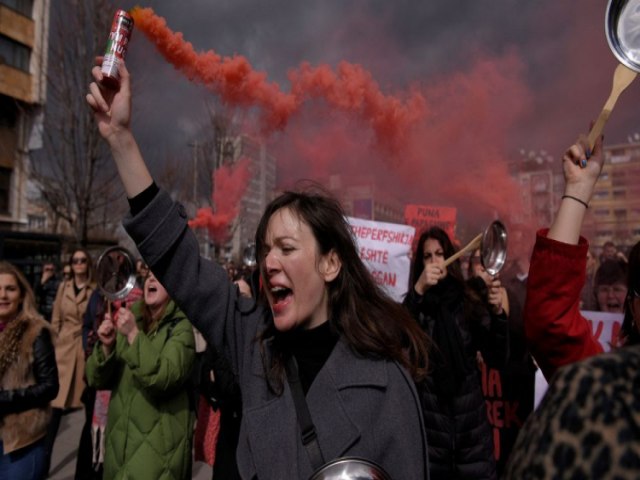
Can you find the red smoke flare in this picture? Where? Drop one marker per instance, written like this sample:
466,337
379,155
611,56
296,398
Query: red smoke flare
450,151
230,182
350,88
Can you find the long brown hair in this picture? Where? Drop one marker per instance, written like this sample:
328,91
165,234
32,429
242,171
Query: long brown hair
90,267
371,323
28,307
436,233
12,336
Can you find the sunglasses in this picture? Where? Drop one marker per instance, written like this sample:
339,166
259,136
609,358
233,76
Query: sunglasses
49,269
79,261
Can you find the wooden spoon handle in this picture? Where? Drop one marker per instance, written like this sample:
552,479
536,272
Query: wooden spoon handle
622,78
472,245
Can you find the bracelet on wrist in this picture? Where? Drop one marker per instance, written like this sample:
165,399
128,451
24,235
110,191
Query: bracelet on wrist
582,202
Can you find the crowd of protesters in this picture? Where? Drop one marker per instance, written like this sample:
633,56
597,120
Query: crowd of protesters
281,370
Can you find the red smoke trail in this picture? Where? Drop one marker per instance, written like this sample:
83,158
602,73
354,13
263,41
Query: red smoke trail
230,183
454,157
350,88
449,152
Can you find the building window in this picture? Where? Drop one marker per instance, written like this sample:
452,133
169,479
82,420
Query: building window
5,186
619,194
601,194
620,213
25,7
36,222
14,54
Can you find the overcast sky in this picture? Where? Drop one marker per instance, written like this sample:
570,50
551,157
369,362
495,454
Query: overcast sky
497,76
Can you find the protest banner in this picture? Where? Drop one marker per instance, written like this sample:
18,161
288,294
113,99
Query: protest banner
511,393
606,329
508,393
421,217
386,250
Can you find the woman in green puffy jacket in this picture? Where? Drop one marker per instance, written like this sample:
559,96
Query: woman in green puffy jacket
145,357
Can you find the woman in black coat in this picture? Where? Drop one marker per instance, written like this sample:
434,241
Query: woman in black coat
461,326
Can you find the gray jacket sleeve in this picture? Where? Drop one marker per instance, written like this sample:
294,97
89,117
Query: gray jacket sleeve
199,286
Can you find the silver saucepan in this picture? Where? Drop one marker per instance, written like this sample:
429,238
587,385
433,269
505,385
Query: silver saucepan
116,272
493,248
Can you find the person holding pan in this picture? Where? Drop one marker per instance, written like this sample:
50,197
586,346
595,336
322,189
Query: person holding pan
516,377
586,425
460,325
145,356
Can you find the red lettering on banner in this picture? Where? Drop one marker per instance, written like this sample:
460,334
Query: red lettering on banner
615,334
511,414
501,413
373,255
496,413
382,235
597,332
384,278
492,386
424,216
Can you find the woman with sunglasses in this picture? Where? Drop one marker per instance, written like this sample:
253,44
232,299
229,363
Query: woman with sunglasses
588,421
66,321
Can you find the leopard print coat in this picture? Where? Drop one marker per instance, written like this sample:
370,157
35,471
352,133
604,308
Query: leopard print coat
587,425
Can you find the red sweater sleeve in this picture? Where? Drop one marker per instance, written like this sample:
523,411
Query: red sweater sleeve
556,332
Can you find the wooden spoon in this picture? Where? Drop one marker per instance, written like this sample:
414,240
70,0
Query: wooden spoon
622,78
472,245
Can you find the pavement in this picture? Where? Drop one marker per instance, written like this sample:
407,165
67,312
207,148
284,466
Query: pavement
63,461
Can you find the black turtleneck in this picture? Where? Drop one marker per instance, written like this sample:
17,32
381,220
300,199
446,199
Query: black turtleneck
311,349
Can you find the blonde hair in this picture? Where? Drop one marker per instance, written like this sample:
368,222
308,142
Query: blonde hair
28,307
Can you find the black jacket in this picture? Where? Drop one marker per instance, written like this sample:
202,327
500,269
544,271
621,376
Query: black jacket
458,430
45,372
46,295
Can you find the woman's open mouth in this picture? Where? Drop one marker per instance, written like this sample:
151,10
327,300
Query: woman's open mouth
281,297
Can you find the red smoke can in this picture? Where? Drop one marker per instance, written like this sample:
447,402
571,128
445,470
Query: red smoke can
119,38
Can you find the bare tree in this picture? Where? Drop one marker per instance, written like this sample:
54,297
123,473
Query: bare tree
74,170
190,179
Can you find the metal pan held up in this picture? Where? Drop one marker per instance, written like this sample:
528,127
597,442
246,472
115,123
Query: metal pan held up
622,29
493,248
249,255
350,468
116,271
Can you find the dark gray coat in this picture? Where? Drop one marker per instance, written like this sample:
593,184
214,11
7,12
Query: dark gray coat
360,406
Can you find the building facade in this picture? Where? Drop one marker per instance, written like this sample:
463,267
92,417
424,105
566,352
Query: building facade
365,199
24,28
614,211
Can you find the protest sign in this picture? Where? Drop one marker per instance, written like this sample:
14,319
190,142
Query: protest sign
421,217
605,327
386,250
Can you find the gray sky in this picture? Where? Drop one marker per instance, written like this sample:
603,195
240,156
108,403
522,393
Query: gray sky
496,75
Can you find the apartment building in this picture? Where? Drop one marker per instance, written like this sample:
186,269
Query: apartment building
24,28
